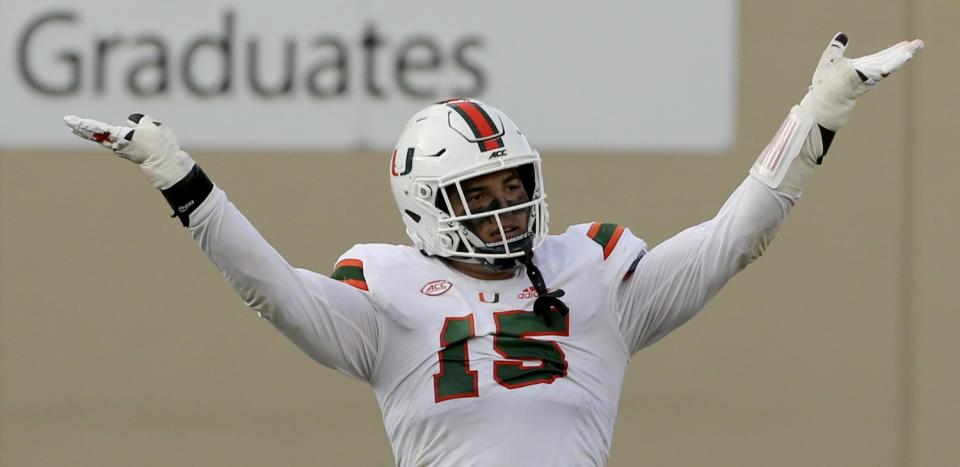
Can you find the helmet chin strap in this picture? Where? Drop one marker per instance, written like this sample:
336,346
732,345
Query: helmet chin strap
548,301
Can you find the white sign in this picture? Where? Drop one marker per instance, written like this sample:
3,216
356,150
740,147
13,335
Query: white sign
595,76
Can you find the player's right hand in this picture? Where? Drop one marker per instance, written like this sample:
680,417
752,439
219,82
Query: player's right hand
148,143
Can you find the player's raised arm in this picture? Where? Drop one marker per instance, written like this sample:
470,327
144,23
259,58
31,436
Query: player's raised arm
329,320
676,279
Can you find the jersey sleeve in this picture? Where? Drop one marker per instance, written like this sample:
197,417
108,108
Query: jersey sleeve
331,321
672,282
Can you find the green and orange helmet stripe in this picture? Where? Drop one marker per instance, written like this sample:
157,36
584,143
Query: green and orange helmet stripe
350,271
606,235
483,127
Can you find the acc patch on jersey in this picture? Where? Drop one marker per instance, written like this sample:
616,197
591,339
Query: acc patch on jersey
350,271
436,288
606,235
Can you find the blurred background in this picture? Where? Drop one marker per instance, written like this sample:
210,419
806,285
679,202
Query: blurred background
121,345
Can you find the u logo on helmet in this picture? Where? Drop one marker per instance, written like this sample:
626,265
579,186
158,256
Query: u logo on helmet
408,166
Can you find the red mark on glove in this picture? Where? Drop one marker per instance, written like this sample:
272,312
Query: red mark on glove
101,137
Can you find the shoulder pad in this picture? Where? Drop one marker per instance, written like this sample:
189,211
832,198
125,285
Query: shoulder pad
362,264
606,235
617,256
350,271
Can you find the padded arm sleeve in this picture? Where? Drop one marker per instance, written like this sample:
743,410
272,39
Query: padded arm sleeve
676,278
333,323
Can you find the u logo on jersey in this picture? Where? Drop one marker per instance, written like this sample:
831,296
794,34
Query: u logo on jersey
490,297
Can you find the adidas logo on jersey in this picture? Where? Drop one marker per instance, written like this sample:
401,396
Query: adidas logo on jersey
528,293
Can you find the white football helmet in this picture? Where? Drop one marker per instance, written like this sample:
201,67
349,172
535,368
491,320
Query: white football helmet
446,144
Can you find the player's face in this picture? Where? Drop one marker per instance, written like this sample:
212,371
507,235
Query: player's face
489,192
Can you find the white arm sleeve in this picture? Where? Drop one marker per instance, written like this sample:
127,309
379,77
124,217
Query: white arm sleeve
675,279
332,322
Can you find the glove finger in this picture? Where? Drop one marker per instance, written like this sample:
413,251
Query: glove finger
903,54
893,53
835,48
884,56
881,64
104,134
85,127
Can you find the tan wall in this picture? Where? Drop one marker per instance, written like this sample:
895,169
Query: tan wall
932,228
120,345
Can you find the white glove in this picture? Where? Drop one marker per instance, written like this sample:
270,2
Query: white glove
805,136
153,146
838,81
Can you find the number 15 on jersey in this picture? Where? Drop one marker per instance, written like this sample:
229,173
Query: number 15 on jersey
513,340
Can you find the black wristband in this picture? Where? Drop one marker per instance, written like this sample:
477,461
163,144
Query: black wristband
186,195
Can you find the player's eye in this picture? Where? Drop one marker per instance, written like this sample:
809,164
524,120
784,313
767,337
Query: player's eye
516,191
476,198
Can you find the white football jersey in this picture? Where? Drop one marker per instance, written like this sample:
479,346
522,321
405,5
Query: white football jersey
465,367
464,372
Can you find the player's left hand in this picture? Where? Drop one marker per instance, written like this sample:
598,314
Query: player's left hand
838,81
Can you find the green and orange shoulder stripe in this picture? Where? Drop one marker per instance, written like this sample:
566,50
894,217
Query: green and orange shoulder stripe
606,235
350,271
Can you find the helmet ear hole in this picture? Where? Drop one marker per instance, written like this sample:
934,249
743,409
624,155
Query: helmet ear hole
527,174
441,204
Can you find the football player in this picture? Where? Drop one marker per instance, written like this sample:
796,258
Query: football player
488,341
